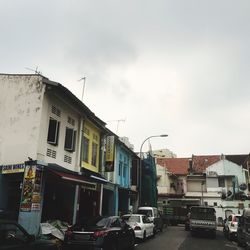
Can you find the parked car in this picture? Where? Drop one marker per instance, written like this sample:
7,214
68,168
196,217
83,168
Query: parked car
203,218
107,233
141,224
154,215
14,237
231,225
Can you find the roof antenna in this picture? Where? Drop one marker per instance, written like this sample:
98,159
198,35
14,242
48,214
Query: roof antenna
35,70
118,123
83,88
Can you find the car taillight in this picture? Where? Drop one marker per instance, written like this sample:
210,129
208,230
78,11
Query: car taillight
137,228
98,234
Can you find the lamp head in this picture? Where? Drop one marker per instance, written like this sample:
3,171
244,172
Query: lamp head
163,135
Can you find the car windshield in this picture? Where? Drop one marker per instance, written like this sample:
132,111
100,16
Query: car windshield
95,222
202,210
132,218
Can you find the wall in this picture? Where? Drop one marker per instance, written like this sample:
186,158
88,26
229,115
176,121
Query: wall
229,170
123,160
63,157
21,99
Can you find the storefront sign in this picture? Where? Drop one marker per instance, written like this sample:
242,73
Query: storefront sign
13,168
110,150
31,195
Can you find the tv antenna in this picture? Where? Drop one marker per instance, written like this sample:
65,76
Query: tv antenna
34,70
83,88
118,123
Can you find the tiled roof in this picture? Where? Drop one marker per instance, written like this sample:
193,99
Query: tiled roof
238,159
201,162
178,166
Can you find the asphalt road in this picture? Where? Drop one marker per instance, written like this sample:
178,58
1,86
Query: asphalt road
176,238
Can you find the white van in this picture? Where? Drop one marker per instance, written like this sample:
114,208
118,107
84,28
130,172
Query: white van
153,214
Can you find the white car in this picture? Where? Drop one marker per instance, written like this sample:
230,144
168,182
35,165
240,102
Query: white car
141,224
231,225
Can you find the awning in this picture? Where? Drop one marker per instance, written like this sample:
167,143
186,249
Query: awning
74,178
85,176
95,177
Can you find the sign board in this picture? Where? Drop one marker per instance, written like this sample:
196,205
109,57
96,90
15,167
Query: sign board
32,188
13,168
110,151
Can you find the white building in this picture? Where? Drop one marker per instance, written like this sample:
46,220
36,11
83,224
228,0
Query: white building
43,127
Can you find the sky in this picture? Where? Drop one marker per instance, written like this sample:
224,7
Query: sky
179,67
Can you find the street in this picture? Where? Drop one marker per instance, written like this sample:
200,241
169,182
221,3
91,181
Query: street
176,238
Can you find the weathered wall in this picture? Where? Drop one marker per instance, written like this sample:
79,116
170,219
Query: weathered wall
21,99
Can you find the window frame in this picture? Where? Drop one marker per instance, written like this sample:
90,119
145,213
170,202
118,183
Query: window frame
94,154
71,146
55,132
85,149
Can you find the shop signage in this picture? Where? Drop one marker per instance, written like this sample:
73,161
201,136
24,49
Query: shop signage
32,188
110,150
13,168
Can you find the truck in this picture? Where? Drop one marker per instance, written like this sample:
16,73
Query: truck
175,210
202,218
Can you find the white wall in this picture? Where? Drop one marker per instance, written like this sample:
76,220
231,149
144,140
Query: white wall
21,99
66,111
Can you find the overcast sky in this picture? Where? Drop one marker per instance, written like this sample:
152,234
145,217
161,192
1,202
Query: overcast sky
176,67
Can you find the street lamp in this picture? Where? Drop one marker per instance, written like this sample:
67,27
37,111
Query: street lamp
140,163
202,198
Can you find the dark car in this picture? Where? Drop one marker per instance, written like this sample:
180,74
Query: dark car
108,233
15,237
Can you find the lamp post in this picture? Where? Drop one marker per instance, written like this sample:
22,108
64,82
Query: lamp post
202,199
140,164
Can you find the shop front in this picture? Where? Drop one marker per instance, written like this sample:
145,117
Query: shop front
11,180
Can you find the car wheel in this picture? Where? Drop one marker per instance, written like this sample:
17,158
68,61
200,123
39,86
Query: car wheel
154,232
213,234
132,245
239,243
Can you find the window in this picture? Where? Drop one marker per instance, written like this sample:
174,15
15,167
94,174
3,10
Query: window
94,154
120,168
205,203
70,139
53,132
85,149
115,223
215,204
221,181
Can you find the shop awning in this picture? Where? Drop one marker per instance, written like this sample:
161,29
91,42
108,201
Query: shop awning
74,178
79,177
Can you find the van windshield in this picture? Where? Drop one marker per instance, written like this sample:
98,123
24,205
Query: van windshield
145,212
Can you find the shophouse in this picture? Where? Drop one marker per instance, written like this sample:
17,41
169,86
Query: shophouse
50,152
120,194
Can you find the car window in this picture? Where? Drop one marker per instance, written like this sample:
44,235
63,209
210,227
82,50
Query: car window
144,219
98,221
132,218
146,212
115,223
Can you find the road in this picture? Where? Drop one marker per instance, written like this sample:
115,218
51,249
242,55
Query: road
176,238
